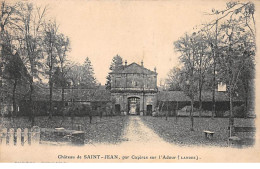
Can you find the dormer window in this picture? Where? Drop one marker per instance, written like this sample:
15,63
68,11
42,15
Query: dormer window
117,81
222,87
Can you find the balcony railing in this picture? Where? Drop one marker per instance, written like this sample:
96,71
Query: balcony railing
122,89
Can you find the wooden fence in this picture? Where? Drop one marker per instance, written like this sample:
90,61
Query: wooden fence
20,138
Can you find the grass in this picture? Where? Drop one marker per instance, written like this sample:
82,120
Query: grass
101,130
110,129
178,131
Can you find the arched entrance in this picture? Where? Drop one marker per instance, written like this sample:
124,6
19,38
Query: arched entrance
117,109
133,105
149,109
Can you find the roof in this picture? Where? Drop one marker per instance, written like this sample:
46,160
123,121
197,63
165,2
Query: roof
172,96
205,95
133,68
42,94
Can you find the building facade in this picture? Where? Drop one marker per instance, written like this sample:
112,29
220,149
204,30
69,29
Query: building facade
134,89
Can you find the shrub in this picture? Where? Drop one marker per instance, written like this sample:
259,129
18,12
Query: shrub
239,111
220,113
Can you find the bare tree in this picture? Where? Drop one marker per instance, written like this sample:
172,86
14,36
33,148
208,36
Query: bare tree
62,46
202,63
173,79
234,44
239,51
50,38
187,49
29,25
6,15
6,18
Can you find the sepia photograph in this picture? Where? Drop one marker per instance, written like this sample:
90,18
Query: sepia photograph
129,81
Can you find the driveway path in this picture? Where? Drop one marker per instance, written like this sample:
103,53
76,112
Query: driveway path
139,142
138,134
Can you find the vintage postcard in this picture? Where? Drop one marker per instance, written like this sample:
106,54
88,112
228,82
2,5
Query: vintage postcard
140,81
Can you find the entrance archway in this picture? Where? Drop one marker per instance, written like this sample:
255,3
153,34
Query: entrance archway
149,109
133,105
117,109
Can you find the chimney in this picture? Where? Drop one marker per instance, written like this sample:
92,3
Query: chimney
142,63
125,62
154,69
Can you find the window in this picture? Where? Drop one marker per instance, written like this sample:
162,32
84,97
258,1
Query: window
117,81
222,87
133,83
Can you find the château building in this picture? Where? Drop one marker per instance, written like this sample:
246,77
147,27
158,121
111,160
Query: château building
134,89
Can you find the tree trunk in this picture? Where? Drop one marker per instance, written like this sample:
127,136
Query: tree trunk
90,116
246,107
213,91
62,101
50,99
191,114
192,93
246,87
231,115
214,72
176,115
1,62
50,85
14,98
200,84
161,110
31,110
167,112
200,100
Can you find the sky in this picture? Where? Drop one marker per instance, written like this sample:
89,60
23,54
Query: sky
135,30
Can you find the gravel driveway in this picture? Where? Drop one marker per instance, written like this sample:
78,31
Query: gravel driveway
138,134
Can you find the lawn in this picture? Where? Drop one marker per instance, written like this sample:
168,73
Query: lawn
101,130
178,131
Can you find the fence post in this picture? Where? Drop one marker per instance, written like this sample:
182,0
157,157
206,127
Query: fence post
25,137
35,135
79,127
4,135
19,137
11,136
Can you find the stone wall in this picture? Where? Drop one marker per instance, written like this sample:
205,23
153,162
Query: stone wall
134,81
145,99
